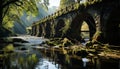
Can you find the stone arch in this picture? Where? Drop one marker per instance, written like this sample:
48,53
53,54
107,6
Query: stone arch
112,28
59,28
40,30
34,30
37,30
43,29
74,31
48,30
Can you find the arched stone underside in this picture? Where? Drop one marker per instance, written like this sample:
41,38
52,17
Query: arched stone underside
40,30
37,30
112,32
33,30
48,30
74,31
59,28
100,16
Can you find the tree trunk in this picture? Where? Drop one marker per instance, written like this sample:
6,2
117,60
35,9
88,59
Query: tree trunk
1,19
3,32
1,13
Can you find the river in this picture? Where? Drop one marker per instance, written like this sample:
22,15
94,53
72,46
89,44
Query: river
33,55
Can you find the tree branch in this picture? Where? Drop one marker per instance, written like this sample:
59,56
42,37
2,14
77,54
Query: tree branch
19,4
4,13
9,2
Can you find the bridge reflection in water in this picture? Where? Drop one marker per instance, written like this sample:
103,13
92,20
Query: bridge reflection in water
30,57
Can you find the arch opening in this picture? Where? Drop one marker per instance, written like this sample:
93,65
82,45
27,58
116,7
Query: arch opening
75,32
85,32
34,30
59,28
48,30
40,30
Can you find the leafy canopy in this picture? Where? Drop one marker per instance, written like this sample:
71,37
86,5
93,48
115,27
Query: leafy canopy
12,10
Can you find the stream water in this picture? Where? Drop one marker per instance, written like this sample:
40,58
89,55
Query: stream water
31,56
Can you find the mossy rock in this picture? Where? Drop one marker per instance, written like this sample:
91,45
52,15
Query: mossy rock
89,43
66,42
50,43
9,48
19,40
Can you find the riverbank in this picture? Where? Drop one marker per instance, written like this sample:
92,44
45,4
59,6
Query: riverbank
62,51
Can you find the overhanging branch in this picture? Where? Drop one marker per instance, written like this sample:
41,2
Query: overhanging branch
4,13
9,2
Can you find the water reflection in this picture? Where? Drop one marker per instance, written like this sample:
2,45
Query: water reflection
27,57
46,64
85,60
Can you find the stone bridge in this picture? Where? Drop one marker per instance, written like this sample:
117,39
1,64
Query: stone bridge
100,15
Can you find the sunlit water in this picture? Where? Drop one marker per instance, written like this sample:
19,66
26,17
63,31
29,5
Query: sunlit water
30,57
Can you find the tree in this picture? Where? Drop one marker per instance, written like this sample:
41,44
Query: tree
11,10
64,3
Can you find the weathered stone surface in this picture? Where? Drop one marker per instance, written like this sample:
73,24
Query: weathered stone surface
100,16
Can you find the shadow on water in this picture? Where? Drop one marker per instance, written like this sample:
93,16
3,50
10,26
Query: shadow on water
68,61
25,57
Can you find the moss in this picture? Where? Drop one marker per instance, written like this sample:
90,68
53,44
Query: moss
61,42
85,4
21,60
32,58
50,43
96,36
67,58
89,43
9,48
66,42
66,27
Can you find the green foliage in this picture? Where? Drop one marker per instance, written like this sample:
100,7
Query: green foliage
67,58
65,3
14,9
21,60
67,26
96,36
33,57
7,22
9,48
60,42
66,42
65,7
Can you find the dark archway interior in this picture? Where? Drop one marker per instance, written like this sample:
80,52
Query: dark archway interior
113,28
58,28
48,30
36,30
75,33
33,30
40,30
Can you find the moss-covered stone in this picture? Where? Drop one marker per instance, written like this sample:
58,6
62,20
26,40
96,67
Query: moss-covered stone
9,48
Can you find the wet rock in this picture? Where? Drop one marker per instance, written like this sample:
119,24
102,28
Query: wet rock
23,48
19,40
82,53
9,48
